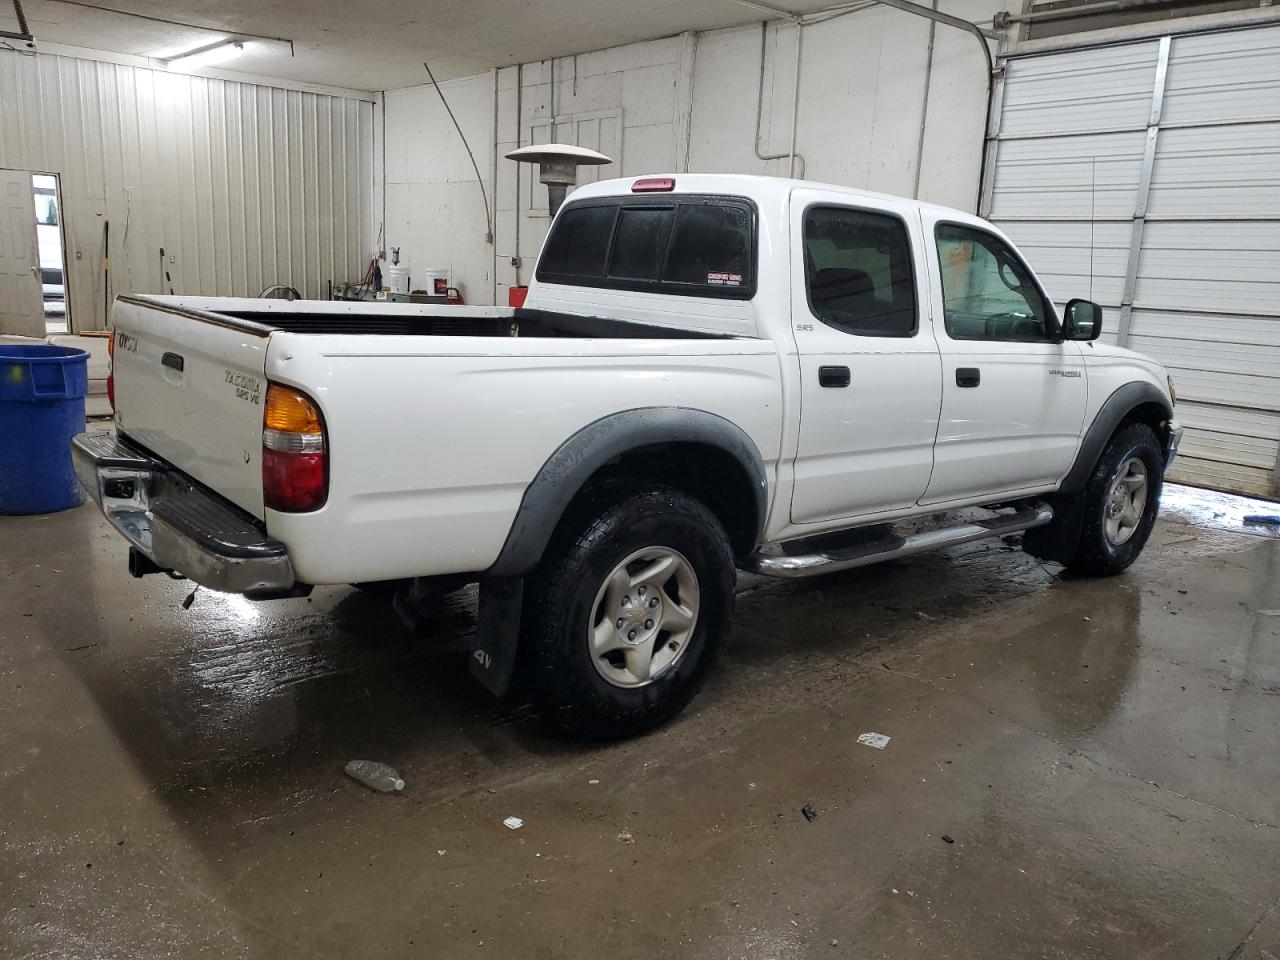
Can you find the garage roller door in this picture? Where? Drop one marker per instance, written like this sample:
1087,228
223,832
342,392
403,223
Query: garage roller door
1148,174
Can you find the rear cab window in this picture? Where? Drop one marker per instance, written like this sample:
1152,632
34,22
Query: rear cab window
683,244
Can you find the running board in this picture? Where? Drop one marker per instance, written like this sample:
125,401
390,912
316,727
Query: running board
863,555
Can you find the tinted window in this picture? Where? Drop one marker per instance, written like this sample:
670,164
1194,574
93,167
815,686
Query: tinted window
580,242
678,244
987,292
711,246
640,243
858,268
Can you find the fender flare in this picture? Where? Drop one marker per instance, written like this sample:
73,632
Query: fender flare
579,457
1117,406
1058,540
493,652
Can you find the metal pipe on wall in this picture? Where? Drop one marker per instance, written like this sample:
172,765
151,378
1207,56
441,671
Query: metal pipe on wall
519,143
924,104
484,194
906,6
792,156
840,10
685,91
795,102
493,179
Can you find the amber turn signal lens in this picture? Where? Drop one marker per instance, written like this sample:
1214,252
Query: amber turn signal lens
290,411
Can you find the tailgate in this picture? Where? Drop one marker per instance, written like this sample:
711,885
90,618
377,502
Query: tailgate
189,388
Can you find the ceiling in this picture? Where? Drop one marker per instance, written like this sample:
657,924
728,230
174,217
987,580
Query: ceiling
380,46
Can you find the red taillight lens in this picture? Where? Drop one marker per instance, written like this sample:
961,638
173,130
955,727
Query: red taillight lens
295,456
294,482
653,185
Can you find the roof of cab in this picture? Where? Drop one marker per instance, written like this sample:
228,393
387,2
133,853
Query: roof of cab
759,188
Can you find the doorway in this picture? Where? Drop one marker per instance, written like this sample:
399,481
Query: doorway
33,299
53,289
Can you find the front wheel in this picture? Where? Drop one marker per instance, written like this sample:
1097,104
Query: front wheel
1119,503
626,612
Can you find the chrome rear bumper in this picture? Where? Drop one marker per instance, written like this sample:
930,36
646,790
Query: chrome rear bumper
178,525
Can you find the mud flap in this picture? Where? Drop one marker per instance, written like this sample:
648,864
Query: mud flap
1057,540
493,654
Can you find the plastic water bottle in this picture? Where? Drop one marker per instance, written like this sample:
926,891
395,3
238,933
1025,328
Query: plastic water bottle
375,776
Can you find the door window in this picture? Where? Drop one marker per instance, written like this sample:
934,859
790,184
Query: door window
858,272
987,292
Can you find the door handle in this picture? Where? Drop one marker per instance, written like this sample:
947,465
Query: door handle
833,376
174,361
968,376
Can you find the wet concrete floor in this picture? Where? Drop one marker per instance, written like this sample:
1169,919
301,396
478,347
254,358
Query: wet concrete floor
1076,769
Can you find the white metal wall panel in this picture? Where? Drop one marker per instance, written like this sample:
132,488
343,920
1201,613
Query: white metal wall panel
243,185
1219,266
1203,293
1217,172
1065,177
1219,77
1100,89
1076,259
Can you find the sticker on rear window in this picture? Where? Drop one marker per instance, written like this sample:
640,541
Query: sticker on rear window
725,279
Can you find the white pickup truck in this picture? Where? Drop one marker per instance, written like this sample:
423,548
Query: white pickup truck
709,372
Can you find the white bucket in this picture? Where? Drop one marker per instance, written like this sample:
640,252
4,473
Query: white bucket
434,283
398,277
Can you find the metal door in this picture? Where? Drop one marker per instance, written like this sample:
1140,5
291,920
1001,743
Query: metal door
1148,171
869,403
21,300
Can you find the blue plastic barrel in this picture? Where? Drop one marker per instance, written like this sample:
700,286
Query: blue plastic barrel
42,390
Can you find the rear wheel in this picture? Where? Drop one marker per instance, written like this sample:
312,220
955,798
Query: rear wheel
627,611
1120,503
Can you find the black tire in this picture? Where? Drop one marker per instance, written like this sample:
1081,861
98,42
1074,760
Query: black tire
1096,555
560,604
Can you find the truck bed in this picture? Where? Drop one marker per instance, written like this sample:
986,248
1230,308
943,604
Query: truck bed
263,317
437,417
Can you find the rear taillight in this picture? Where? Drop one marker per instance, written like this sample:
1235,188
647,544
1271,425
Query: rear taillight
295,462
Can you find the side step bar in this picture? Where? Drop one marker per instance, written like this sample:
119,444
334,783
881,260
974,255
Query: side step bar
863,555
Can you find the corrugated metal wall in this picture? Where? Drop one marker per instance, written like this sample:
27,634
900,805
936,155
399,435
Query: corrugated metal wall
243,185
1149,172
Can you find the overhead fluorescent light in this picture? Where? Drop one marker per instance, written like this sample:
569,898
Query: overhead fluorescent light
216,52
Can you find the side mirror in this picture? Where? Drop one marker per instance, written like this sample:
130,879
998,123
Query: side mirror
1082,320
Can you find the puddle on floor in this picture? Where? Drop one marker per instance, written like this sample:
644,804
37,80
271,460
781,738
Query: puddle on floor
1220,511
